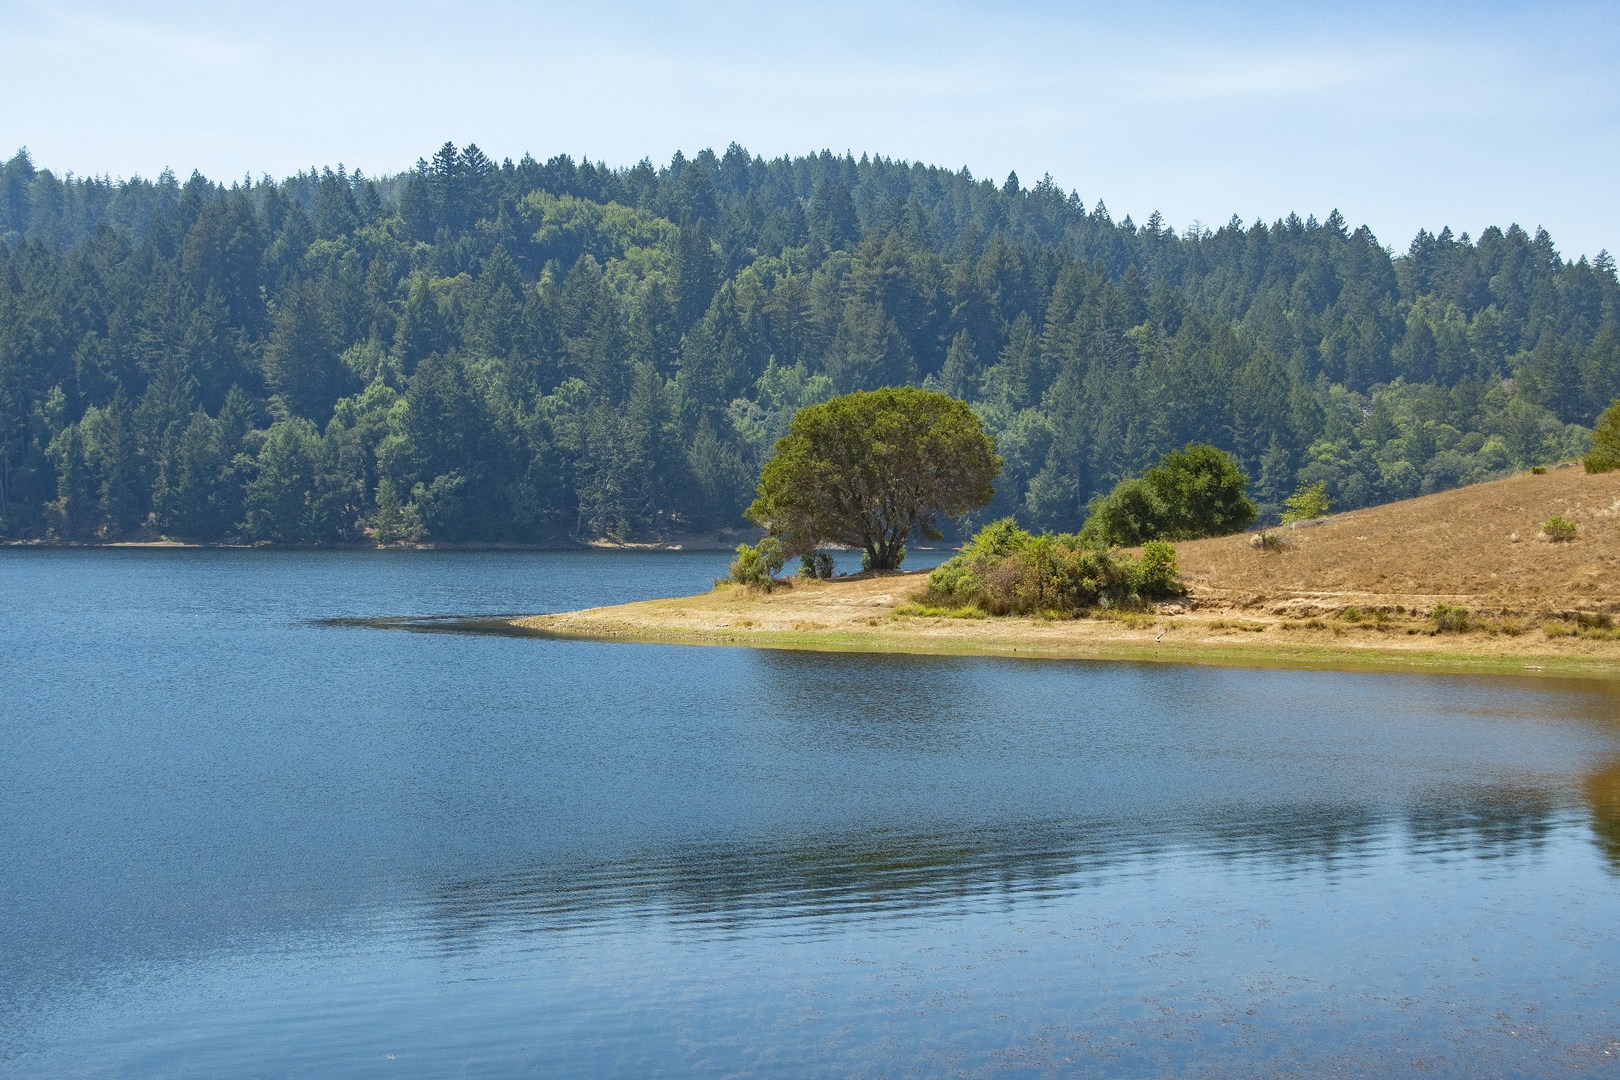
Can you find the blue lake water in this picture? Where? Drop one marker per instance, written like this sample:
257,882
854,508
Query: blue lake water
238,841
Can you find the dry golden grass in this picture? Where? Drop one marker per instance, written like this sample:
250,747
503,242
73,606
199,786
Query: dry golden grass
1478,547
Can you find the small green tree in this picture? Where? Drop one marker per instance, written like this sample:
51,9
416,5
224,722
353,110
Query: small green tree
759,564
1192,492
1310,501
870,468
1154,574
1605,453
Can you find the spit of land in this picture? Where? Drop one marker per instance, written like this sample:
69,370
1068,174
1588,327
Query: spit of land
1359,589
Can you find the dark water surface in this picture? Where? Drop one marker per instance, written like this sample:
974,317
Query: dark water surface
235,841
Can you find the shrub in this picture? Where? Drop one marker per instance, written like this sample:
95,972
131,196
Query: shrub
1125,515
816,565
1449,619
758,565
1559,528
1310,501
1538,470
1192,492
1005,570
1155,572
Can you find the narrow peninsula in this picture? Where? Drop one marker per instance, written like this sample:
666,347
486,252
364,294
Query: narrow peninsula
1463,580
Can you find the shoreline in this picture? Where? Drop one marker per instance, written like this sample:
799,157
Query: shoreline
878,615
698,543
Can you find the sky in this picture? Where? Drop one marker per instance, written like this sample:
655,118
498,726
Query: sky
1459,114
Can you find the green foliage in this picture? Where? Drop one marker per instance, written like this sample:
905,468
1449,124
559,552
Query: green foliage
758,564
1310,501
1450,619
531,350
816,565
1193,492
1559,529
1004,570
1605,453
1154,574
868,469
394,521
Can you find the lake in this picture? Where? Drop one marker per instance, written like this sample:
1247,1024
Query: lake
237,840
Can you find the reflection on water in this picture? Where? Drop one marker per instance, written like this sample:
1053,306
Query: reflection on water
1602,792
243,833
827,882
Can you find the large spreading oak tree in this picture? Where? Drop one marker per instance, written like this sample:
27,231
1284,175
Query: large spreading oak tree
870,468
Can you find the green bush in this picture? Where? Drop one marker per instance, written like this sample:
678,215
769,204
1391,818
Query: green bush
758,565
1559,529
1005,570
1192,492
1155,572
1449,619
1126,515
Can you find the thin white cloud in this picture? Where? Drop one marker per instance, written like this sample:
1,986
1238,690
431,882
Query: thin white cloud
1199,80
80,27
1402,117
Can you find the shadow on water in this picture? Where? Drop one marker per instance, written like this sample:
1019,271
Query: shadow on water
496,625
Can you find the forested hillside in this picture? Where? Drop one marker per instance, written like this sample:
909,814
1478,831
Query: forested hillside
535,351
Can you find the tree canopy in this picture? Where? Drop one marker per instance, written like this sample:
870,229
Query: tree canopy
870,468
545,350
1192,492
1605,453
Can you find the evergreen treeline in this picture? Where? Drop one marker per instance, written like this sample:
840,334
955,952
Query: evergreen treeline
530,351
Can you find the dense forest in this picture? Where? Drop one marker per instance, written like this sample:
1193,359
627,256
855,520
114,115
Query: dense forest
533,352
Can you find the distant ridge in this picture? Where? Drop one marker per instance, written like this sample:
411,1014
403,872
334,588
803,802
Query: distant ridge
554,351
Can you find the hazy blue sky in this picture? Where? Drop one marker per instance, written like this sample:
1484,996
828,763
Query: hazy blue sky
1463,114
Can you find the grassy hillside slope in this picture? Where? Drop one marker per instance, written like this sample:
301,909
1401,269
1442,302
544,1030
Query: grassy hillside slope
1480,547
